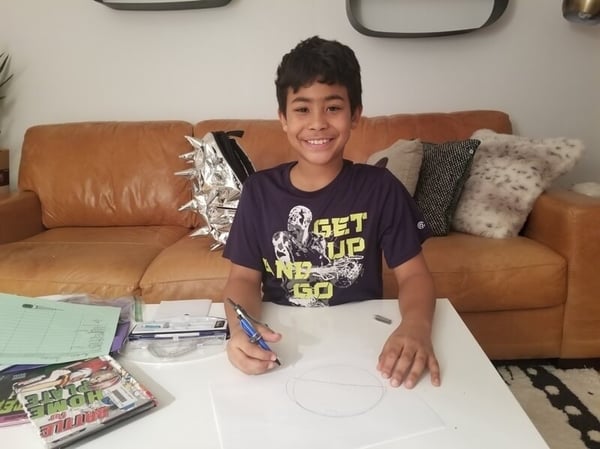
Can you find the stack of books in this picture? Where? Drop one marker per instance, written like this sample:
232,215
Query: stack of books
72,392
70,401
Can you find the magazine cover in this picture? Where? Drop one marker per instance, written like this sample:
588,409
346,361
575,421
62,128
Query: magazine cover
11,410
74,400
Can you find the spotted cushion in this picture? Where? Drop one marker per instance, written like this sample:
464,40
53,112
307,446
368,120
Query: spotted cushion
508,174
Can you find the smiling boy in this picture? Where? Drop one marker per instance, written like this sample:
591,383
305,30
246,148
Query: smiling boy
312,232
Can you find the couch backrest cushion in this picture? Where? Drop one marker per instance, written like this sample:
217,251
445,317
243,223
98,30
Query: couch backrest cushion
267,145
108,173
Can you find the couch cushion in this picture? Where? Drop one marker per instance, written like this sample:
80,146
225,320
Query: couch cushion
108,173
518,333
479,274
403,158
186,270
104,262
442,175
507,176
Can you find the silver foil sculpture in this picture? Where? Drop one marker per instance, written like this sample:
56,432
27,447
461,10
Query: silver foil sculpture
219,168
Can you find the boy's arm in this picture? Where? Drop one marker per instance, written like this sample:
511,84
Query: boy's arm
244,288
408,351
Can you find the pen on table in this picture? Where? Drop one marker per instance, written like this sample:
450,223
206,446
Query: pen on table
35,306
251,332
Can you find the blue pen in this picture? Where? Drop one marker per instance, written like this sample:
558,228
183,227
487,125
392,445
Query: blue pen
251,332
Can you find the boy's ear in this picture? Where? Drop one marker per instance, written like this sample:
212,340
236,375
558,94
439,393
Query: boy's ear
356,115
282,119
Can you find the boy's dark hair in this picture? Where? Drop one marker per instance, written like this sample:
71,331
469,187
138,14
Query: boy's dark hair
321,60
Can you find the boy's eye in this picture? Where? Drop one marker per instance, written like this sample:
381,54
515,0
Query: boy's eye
334,108
301,110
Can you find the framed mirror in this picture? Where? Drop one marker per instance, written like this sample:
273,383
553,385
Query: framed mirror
422,18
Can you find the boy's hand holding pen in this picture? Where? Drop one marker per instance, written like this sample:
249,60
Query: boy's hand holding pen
249,350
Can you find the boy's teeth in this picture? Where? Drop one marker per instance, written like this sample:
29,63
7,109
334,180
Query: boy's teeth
317,142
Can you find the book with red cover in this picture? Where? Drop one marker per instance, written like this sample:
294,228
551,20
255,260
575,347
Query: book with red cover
67,402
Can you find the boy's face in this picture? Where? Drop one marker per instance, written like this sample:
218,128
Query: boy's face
318,121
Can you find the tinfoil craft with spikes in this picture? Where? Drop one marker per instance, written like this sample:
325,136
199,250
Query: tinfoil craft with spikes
219,168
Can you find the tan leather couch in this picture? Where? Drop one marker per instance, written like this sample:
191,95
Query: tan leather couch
97,212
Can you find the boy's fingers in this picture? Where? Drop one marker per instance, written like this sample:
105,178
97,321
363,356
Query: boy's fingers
417,367
250,358
269,334
272,337
405,366
402,368
387,362
434,371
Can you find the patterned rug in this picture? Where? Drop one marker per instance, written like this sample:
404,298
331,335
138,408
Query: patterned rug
563,404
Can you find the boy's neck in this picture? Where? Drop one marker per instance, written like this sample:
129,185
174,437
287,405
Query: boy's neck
310,178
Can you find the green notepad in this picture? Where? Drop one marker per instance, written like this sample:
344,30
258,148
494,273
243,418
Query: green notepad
43,331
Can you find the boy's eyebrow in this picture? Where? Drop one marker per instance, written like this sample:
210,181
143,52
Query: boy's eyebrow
327,98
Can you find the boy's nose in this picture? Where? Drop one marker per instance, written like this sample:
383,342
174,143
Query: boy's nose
318,121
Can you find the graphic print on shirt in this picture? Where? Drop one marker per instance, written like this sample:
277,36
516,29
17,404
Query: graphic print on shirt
313,259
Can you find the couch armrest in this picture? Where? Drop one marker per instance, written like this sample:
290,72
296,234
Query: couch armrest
569,223
21,214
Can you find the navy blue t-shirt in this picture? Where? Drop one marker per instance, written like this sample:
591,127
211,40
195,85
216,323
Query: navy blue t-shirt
324,247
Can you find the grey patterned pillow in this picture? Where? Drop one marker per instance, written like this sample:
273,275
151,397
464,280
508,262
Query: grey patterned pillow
444,169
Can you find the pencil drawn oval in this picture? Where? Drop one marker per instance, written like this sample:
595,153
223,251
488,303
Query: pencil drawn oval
336,391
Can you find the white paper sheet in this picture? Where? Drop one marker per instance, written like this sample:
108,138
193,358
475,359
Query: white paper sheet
179,308
335,403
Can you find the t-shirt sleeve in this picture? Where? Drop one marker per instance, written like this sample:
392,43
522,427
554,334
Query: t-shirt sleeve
242,246
404,228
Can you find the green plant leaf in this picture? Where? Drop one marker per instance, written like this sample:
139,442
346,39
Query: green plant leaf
3,65
2,83
4,58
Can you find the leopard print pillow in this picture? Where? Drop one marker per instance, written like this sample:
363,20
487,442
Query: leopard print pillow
507,175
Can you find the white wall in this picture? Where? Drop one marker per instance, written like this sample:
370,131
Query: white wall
77,60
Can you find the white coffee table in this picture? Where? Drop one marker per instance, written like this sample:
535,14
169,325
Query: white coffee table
475,406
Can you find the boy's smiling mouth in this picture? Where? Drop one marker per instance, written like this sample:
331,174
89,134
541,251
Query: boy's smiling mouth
318,141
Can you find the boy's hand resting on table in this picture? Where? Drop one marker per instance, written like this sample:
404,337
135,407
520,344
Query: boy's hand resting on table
406,354
249,357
